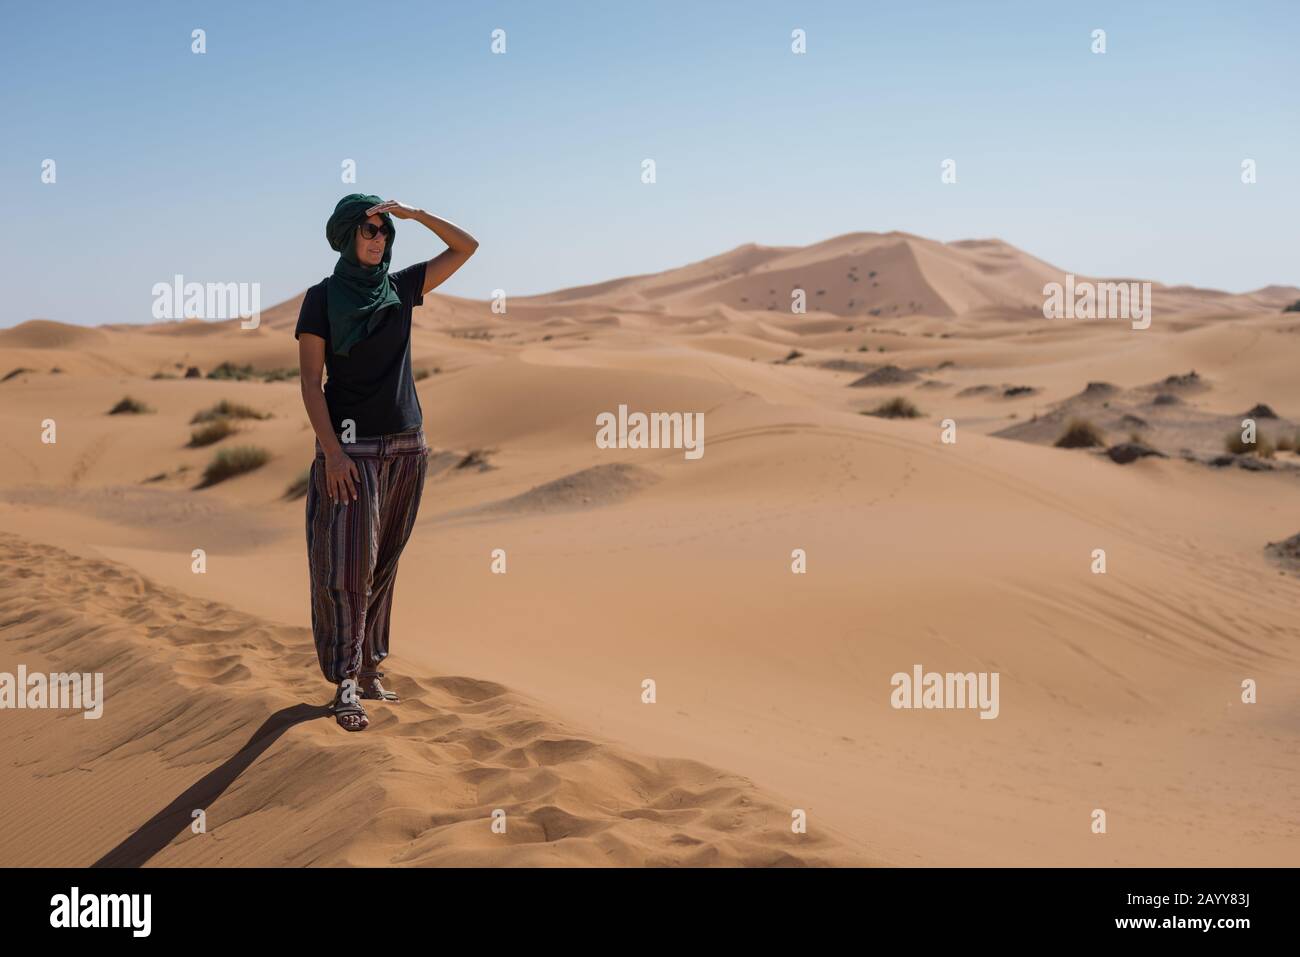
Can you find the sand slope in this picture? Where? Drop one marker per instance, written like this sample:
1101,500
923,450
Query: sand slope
210,709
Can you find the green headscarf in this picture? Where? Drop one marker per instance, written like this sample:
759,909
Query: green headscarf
357,297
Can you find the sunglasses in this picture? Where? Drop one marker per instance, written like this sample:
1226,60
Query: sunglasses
370,230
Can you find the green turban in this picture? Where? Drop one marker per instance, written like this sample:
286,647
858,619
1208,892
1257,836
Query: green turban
357,297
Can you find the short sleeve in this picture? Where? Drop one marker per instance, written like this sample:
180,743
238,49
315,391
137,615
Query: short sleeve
312,316
410,283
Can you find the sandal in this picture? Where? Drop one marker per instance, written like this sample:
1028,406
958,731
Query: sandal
373,690
345,705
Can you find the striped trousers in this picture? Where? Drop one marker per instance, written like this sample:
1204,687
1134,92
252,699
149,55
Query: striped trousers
353,548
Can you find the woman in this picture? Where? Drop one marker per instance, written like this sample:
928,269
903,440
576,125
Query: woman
371,456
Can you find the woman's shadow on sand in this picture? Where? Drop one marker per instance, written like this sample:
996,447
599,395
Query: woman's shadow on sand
161,829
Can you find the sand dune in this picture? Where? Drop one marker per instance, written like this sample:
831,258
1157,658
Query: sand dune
44,334
216,711
590,488
1163,415
1120,691
891,274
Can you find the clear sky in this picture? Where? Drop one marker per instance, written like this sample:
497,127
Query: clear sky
224,166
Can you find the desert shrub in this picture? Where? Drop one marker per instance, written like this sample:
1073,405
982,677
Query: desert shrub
231,462
475,458
1261,447
298,487
210,432
129,406
1080,434
228,370
896,408
228,410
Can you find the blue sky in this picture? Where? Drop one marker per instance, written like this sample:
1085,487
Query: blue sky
223,167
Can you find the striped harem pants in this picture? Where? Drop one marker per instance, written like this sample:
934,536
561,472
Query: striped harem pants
353,548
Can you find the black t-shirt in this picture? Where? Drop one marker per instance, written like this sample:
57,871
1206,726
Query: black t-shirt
373,385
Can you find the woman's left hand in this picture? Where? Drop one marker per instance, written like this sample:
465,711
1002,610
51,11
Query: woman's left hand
393,208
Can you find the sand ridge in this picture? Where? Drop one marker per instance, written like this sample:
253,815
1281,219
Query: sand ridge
221,712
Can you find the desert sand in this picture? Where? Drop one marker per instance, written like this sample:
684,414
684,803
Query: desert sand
522,691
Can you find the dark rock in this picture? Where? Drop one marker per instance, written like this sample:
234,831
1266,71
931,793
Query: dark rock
1127,452
1015,390
1183,381
1164,398
1287,552
846,365
193,373
1252,463
885,375
1260,411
